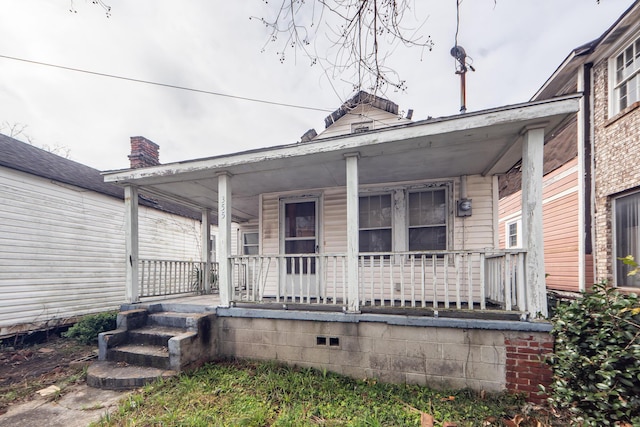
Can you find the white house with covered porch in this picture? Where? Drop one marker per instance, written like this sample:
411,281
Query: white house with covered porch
399,220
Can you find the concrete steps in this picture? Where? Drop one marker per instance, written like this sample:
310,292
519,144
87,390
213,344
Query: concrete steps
118,376
151,344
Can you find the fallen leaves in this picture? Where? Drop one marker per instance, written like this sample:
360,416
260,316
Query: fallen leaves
426,420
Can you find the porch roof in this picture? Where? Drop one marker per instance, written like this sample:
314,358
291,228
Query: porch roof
485,142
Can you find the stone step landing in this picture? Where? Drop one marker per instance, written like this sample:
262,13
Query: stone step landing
122,376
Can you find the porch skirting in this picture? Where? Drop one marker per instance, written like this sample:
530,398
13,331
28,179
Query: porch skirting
491,355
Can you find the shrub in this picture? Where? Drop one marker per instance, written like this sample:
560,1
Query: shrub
87,329
596,361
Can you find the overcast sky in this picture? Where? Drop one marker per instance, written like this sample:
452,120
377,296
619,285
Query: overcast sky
212,45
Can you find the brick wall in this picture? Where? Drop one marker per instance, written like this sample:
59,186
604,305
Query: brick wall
440,357
616,154
525,367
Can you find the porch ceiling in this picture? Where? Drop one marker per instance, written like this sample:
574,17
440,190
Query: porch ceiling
486,142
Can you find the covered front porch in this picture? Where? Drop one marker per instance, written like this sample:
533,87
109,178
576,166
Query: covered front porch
303,239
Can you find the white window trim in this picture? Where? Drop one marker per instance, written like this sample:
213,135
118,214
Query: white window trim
614,242
318,198
611,96
507,240
400,203
391,194
249,231
447,220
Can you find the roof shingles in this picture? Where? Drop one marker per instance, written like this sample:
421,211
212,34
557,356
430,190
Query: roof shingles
27,158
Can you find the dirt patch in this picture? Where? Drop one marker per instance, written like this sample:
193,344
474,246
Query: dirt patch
30,365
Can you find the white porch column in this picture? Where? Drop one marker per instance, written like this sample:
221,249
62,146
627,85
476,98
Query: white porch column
132,293
532,235
224,238
353,245
205,234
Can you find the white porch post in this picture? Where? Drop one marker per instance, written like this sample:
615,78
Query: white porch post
353,245
132,293
206,249
224,238
532,171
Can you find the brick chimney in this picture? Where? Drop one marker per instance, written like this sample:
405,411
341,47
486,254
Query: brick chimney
143,153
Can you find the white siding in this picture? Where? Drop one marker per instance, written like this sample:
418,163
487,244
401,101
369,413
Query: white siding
62,250
270,225
471,233
334,227
476,231
166,236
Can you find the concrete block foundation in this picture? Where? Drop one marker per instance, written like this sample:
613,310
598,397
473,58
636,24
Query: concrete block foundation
440,353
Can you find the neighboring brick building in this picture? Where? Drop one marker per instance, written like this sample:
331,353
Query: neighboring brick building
617,164
592,170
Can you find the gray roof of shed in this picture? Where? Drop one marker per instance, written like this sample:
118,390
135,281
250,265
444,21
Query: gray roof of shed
17,155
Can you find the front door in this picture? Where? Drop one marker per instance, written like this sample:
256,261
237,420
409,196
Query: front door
300,240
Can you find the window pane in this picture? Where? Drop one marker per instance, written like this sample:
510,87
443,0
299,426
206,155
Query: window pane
632,90
300,247
300,219
364,212
380,213
251,250
513,235
619,68
414,208
623,96
427,238
375,211
250,238
627,214
628,56
375,240
427,208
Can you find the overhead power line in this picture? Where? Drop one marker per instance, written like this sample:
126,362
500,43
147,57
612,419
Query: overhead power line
130,79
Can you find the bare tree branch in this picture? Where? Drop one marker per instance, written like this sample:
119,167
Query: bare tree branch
362,35
101,3
17,131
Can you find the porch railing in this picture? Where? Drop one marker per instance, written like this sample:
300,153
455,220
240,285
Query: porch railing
471,280
171,277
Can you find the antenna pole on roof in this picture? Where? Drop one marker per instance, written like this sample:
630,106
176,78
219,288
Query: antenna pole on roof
460,56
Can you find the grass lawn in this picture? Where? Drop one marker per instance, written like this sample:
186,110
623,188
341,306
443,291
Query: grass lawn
242,393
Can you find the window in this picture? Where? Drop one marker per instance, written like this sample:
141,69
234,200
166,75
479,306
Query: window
512,234
428,220
250,243
361,127
375,223
626,87
419,223
627,236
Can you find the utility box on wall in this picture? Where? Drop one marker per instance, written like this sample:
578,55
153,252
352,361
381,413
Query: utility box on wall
463,207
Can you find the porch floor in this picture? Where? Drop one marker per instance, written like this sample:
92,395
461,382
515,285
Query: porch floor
208,302
202,303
